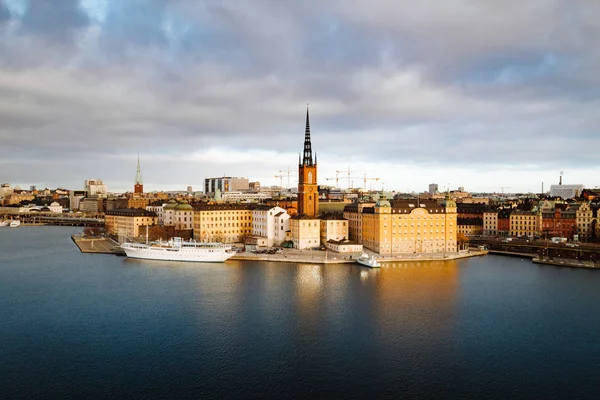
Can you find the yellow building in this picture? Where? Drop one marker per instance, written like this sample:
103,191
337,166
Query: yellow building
525,223
353,213
305,232
226,223
333,227
584,221
409,226
126,222
490,223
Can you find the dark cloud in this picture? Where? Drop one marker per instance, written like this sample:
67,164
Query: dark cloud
53,20
211,87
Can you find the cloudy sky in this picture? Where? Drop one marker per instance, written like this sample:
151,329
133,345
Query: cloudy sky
480,94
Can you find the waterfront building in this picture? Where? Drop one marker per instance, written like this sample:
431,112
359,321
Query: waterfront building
353,214
54,207
305,226
95,187
305,232
490,223
271,223
525,223
334,227
504,222
308,194
344,246
126,222
410,226
225,184
560,222
585,221
227,223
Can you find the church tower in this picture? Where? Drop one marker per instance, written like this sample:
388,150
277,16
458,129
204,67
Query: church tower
308,193
138,187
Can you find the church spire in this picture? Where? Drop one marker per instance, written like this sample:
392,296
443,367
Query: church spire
307,160
138,174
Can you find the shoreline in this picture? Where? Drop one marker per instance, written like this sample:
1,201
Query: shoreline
321,257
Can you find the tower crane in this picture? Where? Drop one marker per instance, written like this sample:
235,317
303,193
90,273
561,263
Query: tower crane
337,177
280,176
364,179
282,173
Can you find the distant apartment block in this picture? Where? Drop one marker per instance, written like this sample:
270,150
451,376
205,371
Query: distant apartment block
95,187
566,191
225,184
433,188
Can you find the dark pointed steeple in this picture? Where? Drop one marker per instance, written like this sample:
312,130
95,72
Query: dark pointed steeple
307,159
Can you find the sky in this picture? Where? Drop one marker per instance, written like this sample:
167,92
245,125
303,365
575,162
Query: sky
480,94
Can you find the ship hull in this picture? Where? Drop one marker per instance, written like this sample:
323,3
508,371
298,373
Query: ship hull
144,252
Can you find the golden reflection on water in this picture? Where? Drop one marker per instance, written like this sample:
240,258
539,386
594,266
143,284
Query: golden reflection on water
417,295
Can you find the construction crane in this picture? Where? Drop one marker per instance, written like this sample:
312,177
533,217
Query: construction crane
504,187
281,172
280,176
337,177
364,179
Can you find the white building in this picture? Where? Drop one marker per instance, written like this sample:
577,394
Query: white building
333,227
95,187
159,211
270,222
566,191
55,208
225,184
232,197
5,190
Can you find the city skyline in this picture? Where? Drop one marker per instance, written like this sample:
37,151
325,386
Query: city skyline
482,96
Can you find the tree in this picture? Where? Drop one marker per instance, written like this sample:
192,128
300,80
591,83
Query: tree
462,241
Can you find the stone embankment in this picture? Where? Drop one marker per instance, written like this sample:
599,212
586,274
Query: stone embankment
327,257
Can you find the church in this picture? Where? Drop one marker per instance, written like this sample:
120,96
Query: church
306,226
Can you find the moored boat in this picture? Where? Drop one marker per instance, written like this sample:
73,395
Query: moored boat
177,249
368,261
3,223
15,223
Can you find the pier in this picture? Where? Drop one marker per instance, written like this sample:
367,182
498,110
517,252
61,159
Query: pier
97,245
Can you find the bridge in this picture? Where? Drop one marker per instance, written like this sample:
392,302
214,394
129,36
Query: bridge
54,219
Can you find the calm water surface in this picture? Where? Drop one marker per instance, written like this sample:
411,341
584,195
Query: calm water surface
98,326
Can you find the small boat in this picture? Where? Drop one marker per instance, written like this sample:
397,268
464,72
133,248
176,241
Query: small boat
3,223
15,223
368,261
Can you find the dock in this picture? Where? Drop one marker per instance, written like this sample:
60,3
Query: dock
97,245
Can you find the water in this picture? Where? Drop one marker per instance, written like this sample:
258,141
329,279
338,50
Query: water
78,325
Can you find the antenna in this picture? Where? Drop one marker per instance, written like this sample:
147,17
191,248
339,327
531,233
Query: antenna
560,179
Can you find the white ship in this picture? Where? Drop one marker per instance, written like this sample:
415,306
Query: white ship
3,223
368,261
177,249
15,223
